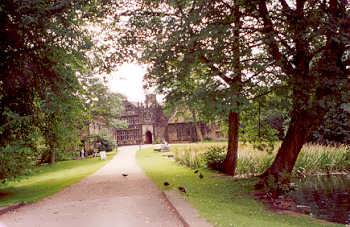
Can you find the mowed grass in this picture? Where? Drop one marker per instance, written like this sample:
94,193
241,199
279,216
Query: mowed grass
49,179
222,200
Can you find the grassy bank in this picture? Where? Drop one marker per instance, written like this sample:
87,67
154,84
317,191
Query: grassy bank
47,180
222,200
313,158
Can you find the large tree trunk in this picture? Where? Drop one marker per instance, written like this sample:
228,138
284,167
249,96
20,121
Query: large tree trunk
52,159
300,128
230,163
50,141
314,85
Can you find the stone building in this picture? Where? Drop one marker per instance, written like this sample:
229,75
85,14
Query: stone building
99,127
147,124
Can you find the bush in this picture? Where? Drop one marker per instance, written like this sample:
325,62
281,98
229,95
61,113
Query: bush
214,157
107,145
65,156
90,143
15,160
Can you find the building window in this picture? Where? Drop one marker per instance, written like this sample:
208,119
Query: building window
179,132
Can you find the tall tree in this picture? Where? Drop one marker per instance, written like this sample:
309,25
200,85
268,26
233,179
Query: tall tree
43,47
104,104
309,42
335,128
201,42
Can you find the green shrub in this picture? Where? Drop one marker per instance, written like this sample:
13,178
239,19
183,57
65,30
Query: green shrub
106,143
65,156
214,157
15,160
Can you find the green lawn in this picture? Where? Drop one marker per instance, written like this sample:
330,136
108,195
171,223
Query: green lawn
222,200
47,180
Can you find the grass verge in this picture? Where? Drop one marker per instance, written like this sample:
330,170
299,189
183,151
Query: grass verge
47,180
222,200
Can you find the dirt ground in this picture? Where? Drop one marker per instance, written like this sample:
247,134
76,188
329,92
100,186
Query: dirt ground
104,199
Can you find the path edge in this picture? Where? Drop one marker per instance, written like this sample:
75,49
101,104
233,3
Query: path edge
181,208
11,208
6,209
173,208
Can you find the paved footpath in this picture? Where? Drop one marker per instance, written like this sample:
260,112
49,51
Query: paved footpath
104,199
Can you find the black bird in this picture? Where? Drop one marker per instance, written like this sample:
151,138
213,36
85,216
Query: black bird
196,171
182,189
201,176
124,174
166,183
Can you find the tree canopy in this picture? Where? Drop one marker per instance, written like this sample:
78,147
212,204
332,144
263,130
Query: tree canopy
226,55
267,68
45,53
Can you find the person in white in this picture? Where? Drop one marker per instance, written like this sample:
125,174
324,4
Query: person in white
103,155
82,152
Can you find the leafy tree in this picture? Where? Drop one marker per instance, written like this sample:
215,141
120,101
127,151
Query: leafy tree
62,119
201,45
334,128
44,47
185,110
241,46
104,104
309,42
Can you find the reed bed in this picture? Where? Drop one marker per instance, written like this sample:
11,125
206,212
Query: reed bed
313,159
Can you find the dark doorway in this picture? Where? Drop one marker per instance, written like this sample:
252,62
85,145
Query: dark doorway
148,139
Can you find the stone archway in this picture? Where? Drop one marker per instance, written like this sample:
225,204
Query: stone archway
148,138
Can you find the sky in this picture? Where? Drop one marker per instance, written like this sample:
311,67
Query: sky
128,80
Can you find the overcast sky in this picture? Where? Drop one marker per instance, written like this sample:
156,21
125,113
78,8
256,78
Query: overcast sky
128,80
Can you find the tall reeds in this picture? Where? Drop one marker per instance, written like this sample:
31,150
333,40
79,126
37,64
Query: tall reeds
313,159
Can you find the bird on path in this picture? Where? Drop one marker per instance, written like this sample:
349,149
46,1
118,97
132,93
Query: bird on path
124,174
196,171
182,189
200,176
166,183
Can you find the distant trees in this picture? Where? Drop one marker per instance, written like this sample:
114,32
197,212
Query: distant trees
237,54
335,127
103,104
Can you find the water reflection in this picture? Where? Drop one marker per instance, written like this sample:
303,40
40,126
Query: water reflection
325,197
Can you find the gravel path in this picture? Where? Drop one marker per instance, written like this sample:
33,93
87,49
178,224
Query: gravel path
104,199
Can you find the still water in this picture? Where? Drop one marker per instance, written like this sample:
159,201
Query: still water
324,197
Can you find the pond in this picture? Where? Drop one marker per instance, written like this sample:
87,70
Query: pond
323,197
